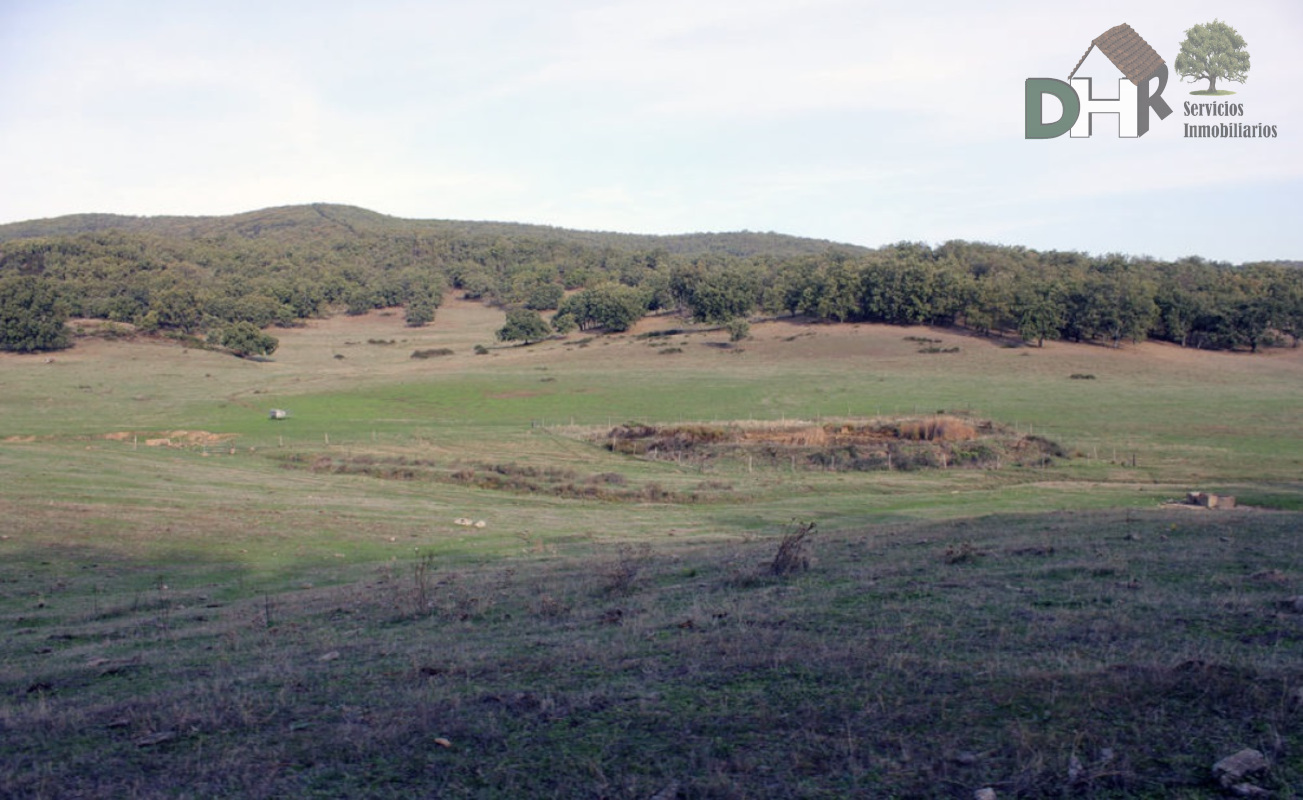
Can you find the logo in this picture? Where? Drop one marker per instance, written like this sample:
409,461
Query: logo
1139,64
1210,52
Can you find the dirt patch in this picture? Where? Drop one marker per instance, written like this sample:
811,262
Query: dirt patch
170,438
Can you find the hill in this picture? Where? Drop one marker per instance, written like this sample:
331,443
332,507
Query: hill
201,276
323,219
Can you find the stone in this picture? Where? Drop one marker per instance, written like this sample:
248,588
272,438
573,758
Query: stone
984,794
1233,769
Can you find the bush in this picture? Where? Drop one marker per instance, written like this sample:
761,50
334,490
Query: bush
435,352
244,340
792,555
738,329
419,312
564,323
525,326
620,574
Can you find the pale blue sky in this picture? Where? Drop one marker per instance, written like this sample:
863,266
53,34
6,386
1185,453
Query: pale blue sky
849,120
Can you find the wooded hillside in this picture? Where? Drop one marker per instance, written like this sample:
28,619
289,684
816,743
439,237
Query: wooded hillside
189,276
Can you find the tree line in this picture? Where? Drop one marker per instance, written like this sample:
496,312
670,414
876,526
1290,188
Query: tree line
216,278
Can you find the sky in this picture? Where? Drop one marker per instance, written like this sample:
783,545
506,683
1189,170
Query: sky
856,121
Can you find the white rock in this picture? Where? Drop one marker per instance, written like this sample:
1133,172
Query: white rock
1232,769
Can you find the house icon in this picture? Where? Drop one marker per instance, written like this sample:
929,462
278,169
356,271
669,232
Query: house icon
1139,64
1129,52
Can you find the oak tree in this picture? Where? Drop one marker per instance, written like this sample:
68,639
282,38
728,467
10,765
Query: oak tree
1211,51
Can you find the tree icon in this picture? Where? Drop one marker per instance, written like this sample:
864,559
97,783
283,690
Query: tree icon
1211,51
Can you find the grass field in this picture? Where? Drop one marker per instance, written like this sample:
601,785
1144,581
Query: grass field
200,601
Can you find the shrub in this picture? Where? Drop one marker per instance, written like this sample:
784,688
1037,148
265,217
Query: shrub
738,329
937,429
432,353
620,574
244,339
419,312
962,553
564,323
523,325
792,555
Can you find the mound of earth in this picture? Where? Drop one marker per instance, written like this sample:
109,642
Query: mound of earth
939,441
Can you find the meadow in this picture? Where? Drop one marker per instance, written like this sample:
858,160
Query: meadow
200,601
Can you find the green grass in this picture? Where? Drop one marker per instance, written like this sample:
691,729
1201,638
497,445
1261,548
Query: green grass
242,617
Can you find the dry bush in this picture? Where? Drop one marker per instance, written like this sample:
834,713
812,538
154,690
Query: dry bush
962,553
619,575
793,549
937,429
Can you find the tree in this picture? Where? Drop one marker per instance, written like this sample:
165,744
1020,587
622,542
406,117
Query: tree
544,296
32,316
1211,51
419,311
245,339
610,306
718,295
564,323
523,325
738,329
177,308
1038,310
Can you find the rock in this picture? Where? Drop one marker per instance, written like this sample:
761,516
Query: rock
1249,790
984,794
1233,769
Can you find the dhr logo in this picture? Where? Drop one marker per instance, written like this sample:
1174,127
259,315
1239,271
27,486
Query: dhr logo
1136,60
